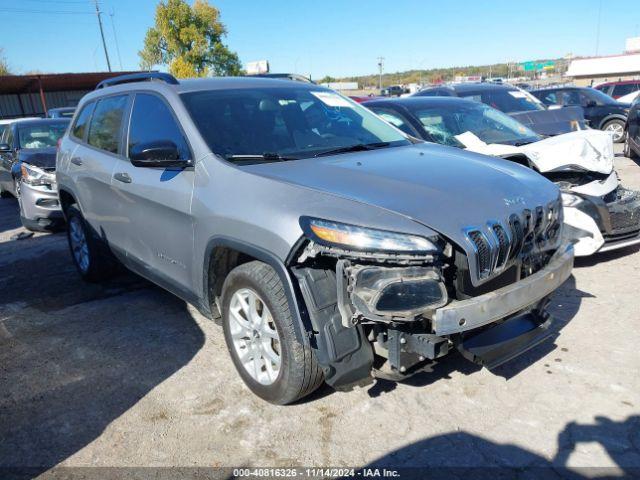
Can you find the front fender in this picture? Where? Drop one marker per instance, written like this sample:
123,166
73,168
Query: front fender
264,256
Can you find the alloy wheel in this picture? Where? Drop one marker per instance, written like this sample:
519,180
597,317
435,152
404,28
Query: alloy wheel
255,338
616,129
78,242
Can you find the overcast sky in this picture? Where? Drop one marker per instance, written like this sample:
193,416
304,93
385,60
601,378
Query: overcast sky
328,37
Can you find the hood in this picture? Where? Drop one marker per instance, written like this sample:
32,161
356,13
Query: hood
582,151
444,188
40,157
552,122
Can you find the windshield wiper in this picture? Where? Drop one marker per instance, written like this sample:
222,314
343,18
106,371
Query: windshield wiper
358,147
267,156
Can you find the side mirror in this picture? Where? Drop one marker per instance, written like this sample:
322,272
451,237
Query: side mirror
590,104
5,147
161,153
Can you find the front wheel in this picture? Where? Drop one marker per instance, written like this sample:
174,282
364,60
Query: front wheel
616,127
259,331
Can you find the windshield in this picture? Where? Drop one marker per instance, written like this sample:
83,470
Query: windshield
446,121
40,135
507,101
286,122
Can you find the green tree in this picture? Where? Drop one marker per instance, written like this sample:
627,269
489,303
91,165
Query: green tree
189,40
4,65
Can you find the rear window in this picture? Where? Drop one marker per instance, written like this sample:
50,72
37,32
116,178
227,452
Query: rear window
106,123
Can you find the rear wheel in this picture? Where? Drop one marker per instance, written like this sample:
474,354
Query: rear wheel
261,339
616,127
90,255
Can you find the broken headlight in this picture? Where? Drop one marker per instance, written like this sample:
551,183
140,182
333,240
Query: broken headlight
352,237
36,176
401,291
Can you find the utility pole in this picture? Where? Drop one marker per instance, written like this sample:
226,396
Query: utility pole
104,45
380,65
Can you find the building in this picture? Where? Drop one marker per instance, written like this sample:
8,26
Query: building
592,71
33,95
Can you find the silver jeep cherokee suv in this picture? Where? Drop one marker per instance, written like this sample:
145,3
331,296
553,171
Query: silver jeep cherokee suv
334,247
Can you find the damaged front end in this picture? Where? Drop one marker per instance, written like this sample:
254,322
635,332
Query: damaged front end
386,304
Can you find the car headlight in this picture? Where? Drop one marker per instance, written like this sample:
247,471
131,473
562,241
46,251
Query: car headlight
570,200
336,234
36,176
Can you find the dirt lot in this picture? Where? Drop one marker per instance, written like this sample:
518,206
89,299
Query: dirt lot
125,374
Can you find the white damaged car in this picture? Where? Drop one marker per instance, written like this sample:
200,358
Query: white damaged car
600,214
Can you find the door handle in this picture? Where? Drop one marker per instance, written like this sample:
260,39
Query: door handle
122,177
76,161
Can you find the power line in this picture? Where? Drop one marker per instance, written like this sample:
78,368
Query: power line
115,37
48,12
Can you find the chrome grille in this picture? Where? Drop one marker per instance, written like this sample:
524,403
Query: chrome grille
503,245
498,244
483,252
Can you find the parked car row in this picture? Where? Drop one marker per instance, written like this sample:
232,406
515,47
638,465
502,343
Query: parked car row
334,246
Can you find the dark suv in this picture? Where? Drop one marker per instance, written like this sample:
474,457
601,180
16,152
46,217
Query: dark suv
602,111
632,144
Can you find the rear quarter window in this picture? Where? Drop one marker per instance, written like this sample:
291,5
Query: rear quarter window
82,120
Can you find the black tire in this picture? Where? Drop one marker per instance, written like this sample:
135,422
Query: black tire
101,264
4,193
628,151
299,373
618,122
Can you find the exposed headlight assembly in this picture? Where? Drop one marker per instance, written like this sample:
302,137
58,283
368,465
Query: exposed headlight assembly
397,292
36,176
352,237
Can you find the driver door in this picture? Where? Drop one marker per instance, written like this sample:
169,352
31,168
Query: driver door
154,224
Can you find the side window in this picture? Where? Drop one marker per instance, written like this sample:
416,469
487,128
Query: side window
549,98
571,97
80,125
152,121
106,123
624,89
396,120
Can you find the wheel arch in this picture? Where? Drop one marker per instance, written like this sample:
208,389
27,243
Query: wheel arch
223,254
66,200
613,116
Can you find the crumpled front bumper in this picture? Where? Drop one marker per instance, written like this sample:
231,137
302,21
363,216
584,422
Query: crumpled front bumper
603,224
40,204
464,315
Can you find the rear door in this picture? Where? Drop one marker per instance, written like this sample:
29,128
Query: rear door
93,161
154,204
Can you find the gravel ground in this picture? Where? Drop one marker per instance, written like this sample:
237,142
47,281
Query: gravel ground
125,374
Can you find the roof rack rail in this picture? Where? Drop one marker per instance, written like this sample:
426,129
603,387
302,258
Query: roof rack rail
138,77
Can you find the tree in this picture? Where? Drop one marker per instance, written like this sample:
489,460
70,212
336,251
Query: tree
4,65
189,40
